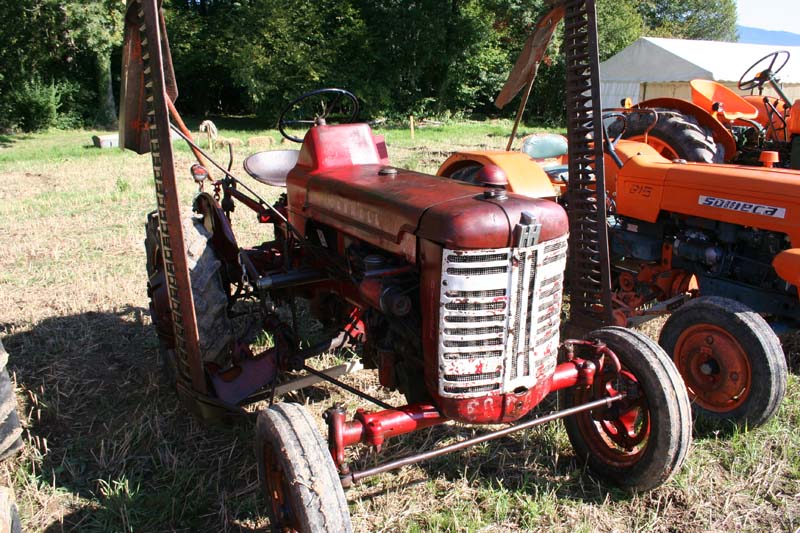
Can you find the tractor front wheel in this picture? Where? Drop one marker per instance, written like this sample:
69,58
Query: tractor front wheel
729,357
641,441
298,478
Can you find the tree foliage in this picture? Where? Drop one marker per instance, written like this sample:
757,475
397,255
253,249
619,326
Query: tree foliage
713,20
619,24
253,56
63,45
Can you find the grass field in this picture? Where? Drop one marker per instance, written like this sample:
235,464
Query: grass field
109,449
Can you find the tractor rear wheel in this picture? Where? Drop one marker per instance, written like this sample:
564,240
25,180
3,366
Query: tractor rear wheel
641,441
10,443
210,299
298,478
729,357
675,136
10,429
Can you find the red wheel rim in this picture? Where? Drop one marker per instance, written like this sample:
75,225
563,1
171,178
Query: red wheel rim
276,491
617,435
660,146
714,366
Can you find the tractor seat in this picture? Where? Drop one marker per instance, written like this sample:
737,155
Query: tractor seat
271,167
707,93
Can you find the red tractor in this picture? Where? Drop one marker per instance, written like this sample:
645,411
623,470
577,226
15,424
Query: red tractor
452,292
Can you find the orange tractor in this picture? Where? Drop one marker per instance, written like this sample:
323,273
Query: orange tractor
719,125
717,246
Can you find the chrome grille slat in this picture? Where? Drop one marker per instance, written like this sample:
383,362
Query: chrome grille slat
474,331
476,294
475,306
499,317
477,271
473,355
457,319
481,258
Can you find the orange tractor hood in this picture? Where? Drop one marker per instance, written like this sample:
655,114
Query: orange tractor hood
761,198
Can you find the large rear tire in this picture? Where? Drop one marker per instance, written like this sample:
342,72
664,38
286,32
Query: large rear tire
299,481
731,360
10,443
641,441
210,299
675,136
10,429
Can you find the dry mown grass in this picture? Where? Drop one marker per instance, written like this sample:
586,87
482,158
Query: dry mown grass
108,448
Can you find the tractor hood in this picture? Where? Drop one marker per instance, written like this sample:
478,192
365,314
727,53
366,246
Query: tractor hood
763,198
780,184
384,208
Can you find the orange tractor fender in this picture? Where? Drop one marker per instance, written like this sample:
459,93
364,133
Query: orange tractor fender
524,175
720,133
787,265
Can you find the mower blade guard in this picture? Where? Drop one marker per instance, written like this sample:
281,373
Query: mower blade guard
133,124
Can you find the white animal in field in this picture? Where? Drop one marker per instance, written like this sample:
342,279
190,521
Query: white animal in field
210,129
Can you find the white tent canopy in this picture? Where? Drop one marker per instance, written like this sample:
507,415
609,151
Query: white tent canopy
653,67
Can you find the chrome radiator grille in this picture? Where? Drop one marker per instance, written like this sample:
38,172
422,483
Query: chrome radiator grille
499,318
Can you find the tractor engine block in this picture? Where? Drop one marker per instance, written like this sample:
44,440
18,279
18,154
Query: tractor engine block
459,288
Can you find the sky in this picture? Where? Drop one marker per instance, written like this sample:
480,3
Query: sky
776,15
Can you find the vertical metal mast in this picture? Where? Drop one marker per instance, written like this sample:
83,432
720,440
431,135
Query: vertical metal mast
187,345
589,270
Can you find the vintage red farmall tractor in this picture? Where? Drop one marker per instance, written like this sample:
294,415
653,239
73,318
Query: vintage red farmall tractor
452,292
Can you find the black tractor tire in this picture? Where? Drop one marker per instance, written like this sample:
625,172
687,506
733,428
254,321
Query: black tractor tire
299,481
682,133
210,299
10,429
10,443
656,407
9,514
714,342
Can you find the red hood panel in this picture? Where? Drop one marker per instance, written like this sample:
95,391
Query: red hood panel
381,207
361,196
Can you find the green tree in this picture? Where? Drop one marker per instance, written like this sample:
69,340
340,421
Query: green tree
63,45
292,46
713,20
95,28
619,24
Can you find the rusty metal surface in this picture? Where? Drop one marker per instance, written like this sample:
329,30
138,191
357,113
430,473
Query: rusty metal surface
353,477
589,270
481,222
381,209
134,129
187,346
527,65
271,167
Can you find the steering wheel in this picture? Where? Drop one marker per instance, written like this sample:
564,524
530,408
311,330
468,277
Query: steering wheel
762,75
318,107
